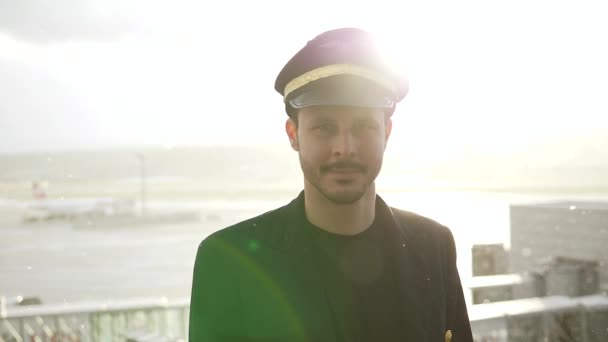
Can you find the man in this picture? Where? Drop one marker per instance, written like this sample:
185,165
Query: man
337,263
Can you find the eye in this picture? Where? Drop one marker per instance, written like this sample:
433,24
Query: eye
324,128
366,125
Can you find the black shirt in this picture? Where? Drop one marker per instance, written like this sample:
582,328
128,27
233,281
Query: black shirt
362,270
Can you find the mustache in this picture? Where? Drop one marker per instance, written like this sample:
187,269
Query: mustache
344,164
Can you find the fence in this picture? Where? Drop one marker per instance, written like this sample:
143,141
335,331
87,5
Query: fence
128,320
556,318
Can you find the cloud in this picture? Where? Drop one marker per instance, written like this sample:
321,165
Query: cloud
43,21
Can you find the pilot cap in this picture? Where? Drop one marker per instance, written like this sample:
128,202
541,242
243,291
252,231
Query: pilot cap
341,67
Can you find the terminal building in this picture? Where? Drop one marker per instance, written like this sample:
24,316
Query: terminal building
551,284
566,243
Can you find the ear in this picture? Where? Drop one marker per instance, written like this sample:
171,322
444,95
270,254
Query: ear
292,133
388,128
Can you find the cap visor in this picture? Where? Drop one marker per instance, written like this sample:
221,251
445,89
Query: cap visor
342,92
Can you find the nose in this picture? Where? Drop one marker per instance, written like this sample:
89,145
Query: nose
344,144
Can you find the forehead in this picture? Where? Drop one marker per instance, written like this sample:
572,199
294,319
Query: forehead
345,113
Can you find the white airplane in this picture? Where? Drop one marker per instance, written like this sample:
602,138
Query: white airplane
78,208
99,211
45,209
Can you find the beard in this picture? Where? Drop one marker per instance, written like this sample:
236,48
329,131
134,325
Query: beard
339,191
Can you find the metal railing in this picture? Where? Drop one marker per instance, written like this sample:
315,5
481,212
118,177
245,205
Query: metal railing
128,320
556,318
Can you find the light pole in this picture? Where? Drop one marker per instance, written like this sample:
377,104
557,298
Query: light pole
142,164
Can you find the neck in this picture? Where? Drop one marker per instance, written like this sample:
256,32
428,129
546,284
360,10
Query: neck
343,219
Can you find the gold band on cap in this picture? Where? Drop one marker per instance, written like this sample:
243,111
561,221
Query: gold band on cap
338,69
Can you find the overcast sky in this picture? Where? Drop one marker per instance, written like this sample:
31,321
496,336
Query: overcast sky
91,74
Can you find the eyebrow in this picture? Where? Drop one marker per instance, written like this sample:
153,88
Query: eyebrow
321,120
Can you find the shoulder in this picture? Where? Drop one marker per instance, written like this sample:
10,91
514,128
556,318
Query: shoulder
241,232
423,229
419,224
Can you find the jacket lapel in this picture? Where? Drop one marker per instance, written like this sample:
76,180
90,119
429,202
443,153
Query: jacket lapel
411,273
338,303
298,244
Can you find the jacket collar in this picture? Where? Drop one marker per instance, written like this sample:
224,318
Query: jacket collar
295,233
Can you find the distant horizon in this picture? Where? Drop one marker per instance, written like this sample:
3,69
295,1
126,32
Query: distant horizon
205,168
574,149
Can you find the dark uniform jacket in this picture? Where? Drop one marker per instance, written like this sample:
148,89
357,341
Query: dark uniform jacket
260,280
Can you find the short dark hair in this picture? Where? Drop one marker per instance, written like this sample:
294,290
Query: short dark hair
293,113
